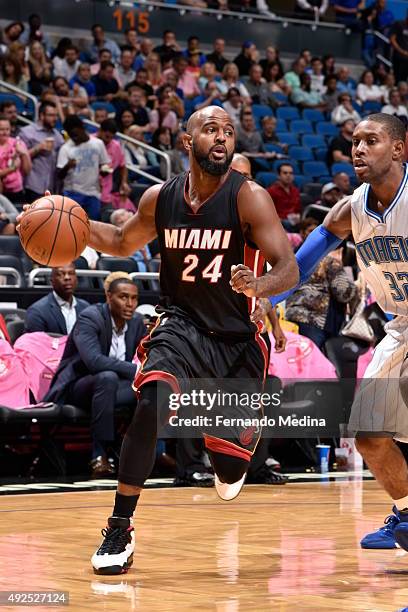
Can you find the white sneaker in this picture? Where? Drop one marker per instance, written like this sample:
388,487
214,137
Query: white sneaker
226,491
115,554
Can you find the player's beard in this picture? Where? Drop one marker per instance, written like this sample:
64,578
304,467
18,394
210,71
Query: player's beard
209,166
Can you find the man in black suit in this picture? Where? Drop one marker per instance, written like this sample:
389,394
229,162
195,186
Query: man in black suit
57,312
96,370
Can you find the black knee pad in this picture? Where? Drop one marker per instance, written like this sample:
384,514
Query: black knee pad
228,468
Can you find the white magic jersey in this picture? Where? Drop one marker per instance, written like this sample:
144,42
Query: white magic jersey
382,247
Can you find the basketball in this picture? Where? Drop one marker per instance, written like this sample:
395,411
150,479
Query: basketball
54,230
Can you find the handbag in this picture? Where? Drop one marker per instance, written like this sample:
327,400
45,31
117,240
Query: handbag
358,326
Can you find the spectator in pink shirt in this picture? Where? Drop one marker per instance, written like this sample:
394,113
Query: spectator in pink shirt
109,194
164,116
187,82
15,163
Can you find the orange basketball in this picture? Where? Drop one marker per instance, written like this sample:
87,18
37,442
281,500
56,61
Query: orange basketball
54,230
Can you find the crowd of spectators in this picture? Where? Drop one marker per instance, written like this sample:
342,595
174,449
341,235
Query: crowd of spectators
147,92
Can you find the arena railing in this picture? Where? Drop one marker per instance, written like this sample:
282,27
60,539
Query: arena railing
87,273
146,147
10,272
21,93
220,14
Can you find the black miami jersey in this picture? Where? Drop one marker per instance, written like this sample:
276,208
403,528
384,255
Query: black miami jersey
197,251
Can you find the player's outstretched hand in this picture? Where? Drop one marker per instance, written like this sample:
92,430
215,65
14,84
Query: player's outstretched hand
26,207
243,280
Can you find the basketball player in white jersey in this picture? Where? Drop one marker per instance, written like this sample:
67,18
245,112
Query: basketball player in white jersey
377,216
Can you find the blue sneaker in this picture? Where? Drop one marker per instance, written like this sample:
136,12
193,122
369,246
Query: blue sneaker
384,537
401,530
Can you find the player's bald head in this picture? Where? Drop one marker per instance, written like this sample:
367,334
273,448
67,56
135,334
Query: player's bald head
208,113
241,164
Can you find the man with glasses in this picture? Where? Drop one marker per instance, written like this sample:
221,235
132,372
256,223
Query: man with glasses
43,142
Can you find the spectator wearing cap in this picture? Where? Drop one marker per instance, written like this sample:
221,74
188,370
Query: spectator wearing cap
342,180
340,146
330,195
345,110
101,42
217,56
286,196
193,48
247,57
43,142
292,77
258,88
304,97
395,107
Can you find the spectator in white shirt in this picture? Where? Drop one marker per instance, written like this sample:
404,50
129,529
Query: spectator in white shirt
367,90
345,110
395,107
68,67
317,76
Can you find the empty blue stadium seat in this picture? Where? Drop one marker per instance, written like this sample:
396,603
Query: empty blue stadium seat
300,153
315,168
273,148
343,167
288,113
301,179
371,107
326,128
320,154
9,97
311,114
265,178
313,141
262,110
281,125
288,138
106,105
301,126
280,97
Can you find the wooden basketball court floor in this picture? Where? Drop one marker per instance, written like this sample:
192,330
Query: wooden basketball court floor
288,548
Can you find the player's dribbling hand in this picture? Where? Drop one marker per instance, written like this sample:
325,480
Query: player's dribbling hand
25,208
243,280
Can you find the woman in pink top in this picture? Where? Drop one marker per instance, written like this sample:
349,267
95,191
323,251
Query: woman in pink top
15,163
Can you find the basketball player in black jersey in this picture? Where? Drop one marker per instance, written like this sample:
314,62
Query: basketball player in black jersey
215,228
